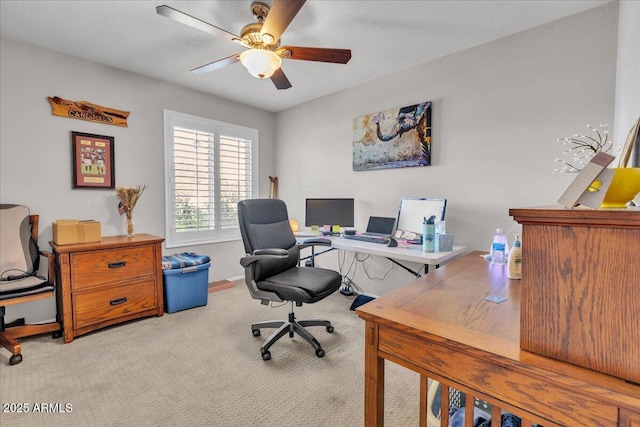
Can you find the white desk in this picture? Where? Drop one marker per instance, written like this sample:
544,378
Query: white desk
402,252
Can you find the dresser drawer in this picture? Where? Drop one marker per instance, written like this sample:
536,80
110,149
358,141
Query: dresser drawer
106,304
111,266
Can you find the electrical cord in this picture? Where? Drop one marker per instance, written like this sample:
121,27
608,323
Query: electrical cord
23,274
341,264
364,267
348,282
349,289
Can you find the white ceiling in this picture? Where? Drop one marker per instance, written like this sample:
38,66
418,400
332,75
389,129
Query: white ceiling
384,37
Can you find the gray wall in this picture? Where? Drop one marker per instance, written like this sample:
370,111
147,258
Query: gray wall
35,146
497,111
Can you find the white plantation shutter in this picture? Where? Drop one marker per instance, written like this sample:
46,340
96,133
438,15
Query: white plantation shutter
236,178
210,166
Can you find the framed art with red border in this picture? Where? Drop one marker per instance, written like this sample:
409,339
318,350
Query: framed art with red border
93,161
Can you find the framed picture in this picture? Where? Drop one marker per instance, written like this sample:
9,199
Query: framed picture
397,138
631,145
93,161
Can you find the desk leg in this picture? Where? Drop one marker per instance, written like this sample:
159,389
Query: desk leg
424,407
373,379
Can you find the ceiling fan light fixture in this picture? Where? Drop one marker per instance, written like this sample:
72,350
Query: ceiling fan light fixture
267,38
261,63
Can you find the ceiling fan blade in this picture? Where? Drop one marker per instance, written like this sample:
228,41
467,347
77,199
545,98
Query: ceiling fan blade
216,65
192,21
319,54
280,16
280,80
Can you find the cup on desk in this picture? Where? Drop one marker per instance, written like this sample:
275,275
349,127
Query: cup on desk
445,242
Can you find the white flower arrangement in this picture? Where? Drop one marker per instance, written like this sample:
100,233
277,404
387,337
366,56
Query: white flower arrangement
581,149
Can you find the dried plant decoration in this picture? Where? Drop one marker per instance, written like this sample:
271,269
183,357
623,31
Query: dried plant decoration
128,197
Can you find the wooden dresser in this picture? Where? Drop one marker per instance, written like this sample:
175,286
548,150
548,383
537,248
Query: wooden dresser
108,282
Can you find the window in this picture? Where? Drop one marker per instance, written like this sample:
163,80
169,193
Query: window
209,167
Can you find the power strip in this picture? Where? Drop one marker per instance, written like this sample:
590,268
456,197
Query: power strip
345,288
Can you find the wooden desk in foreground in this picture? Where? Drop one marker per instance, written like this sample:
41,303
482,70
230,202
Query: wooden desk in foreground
441,326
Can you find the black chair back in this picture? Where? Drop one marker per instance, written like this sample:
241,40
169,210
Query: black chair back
264,224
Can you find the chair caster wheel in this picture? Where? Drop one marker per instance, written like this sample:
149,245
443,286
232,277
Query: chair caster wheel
256,332
330,329
266,355
320,352
15,359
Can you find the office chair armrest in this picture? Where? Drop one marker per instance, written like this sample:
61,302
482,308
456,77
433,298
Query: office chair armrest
281,253
314,242
263,253
51,274
47,254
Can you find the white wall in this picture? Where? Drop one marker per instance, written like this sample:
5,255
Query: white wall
35,146
497,112
628,73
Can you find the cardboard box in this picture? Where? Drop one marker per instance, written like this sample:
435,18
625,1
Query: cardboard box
69,231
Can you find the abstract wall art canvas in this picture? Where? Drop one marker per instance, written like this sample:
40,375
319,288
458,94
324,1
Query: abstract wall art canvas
396,138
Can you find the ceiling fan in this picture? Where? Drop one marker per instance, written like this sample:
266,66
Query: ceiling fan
263,54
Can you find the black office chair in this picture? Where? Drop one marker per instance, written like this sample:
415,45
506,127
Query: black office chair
19,282
272,271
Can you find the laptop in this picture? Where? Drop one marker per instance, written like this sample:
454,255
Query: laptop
380,226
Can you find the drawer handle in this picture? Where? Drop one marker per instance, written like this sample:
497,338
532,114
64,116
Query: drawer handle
118,301
117,264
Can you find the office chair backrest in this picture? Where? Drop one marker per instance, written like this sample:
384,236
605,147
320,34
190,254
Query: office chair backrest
19,255
264,224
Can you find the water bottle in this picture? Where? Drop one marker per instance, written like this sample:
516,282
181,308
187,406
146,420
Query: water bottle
428,234
499,248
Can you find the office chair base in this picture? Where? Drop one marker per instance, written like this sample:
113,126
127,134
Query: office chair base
8,337
291,326
10,343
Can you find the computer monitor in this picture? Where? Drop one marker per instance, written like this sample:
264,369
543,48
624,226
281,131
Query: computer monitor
413,211
329,212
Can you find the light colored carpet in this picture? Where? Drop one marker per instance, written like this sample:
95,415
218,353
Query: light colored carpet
202,367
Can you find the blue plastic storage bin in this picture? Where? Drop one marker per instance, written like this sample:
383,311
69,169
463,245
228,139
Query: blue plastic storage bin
186,287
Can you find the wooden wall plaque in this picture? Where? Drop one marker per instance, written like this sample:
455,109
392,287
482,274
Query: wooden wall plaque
83,110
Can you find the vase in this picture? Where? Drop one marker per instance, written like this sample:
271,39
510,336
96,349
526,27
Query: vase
130,226
624,187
